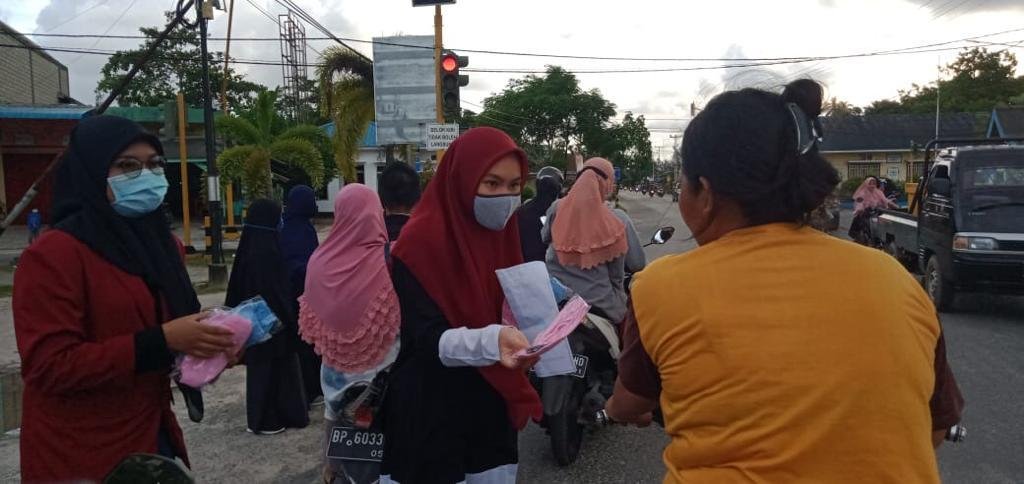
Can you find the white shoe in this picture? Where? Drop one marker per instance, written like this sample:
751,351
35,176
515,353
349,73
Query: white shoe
265,432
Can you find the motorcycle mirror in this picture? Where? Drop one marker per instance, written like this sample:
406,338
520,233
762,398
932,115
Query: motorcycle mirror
663,235
148,468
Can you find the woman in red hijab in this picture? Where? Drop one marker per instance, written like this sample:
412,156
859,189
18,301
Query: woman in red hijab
457,397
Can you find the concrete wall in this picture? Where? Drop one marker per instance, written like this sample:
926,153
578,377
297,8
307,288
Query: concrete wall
28,76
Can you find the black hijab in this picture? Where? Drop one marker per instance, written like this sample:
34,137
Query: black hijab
141,246
259,268
534,249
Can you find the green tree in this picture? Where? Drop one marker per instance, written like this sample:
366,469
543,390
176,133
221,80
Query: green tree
550,116
259,139
838,109
977,80
175,66
630,148
305,105
346,97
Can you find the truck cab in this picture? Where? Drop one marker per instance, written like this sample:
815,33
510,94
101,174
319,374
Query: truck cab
965,230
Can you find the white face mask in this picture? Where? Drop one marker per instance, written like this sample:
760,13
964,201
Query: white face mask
493,212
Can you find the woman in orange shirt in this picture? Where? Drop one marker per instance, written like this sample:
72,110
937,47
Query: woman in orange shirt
768,367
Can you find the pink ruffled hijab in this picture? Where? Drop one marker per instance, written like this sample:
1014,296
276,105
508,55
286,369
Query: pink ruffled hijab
349,312
586,233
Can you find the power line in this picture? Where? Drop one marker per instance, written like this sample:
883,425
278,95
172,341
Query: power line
291,6
531,71
79,14
105,32
265,14
342,40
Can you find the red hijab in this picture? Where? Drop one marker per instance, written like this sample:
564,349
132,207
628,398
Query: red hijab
454,257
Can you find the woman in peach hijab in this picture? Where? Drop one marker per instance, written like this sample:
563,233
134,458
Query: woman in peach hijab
592,246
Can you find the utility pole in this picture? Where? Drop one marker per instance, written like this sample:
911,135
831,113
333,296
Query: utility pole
437,71
229,190
186,219
938,93
218,270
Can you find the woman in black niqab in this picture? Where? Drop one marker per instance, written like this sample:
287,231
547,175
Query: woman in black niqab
275,398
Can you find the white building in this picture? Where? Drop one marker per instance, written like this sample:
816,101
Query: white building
369,163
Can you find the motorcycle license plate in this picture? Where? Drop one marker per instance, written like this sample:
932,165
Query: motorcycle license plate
353,444
581,365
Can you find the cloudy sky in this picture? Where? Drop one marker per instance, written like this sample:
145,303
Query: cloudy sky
721,29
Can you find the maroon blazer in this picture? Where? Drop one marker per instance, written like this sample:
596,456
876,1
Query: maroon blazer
84,406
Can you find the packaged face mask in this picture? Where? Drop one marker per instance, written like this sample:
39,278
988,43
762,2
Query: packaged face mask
264,322
198,372
251,322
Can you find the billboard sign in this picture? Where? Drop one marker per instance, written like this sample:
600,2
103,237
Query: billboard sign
403,88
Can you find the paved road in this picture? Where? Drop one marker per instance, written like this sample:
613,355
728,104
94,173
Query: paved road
985,341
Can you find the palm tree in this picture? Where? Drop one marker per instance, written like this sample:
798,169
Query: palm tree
262,138
346,96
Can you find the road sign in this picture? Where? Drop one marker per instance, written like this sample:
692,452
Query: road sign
427,3
618,174
439,136
403,88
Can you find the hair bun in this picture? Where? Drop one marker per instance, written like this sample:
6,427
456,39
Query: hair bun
807,94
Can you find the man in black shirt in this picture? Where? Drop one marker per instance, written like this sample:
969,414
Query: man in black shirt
399,193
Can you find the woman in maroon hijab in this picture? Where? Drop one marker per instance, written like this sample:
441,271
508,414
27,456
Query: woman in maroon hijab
457,397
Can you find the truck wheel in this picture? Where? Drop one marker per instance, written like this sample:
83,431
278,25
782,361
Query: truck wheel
939,289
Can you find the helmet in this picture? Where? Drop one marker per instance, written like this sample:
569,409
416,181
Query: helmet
550,171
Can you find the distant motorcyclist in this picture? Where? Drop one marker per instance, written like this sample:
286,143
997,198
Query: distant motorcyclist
533,213
593,245
869,196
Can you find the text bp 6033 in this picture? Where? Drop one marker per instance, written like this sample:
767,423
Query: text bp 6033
349,443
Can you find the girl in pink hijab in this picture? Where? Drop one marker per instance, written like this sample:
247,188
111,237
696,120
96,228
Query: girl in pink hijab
869,195
349,312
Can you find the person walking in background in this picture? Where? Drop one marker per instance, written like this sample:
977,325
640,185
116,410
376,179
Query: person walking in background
274,396
399,192
35,225
768,368
298,241
350,312
533,213
101,304
457,396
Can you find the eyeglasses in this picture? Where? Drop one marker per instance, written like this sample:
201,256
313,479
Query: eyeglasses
132,167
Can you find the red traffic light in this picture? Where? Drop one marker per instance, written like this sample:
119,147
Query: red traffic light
450,63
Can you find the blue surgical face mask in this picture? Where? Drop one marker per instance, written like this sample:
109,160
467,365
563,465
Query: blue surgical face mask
138,196
494,212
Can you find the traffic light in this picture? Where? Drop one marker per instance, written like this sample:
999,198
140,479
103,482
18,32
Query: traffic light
451,81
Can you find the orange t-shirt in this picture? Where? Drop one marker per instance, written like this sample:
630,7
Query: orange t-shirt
786,355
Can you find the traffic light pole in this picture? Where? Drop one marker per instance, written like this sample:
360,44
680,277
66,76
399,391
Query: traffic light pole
218,270
437,71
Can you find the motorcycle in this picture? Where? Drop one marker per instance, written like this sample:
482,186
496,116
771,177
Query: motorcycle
571,401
